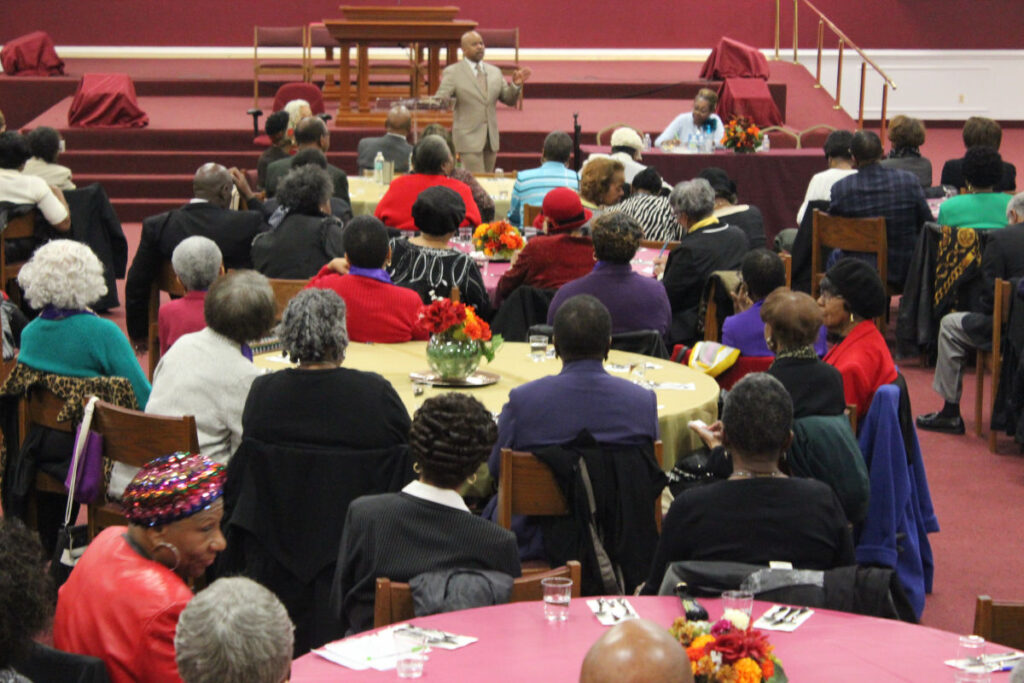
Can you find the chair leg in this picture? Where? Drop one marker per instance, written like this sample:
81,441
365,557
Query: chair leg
979,392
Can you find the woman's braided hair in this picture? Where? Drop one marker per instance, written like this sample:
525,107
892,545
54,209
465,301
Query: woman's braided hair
450,436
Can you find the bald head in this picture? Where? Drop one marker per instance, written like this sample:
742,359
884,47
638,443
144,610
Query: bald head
636,651
213,183
399,121
472,46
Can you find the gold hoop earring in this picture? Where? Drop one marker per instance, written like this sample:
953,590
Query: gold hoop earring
851,319
472,479
169,546
417,468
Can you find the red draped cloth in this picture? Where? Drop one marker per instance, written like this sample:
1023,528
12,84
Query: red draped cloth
31,55
106,101
748,97
733,59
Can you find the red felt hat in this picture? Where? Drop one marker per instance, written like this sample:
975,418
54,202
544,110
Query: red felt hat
564,210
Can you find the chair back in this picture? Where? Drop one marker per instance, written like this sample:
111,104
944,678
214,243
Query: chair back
320,37
40,408
165,281
743,366
645,342
787,262
530,213
501,37
717,302
393,600
848,234
1000,621
1002,299
133,438
277,37
300,91
284,291
17,228
609,129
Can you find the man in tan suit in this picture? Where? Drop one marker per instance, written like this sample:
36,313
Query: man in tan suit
476,88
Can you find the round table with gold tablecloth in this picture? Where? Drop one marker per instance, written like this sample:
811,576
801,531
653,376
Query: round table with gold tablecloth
364,194
683,394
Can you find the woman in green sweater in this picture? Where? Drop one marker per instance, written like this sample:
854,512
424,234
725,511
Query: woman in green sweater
981,207
62,279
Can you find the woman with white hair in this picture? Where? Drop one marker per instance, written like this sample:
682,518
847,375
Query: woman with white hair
297,110
235,631
197,262
61,280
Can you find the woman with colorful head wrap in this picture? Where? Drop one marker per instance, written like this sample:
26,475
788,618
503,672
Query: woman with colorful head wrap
122,600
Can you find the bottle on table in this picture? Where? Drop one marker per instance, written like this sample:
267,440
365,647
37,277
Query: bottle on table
378,168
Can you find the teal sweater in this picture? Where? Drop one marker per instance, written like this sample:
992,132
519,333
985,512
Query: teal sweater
983,211
82,346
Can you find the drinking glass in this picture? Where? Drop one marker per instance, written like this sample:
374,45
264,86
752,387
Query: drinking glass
465,234
972,648
638,372
538,347
557,593
411,648
739,601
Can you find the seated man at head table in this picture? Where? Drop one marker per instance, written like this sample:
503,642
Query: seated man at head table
960,332
393,145
432,163
555,409
310,133
702,122
636,651
534,183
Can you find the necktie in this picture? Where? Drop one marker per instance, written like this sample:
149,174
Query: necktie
481,78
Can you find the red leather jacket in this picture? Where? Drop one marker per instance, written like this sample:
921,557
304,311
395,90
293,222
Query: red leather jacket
122,608
864,361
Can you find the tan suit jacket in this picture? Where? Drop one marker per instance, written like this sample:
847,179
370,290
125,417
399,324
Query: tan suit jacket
475,118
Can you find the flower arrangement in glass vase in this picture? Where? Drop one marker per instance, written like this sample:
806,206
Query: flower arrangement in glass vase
728,651
458,337
498,240
741,135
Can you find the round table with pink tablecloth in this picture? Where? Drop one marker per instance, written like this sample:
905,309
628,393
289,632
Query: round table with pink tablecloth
517,644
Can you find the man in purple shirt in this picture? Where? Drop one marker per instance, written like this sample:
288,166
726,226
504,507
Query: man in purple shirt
555,409
635,302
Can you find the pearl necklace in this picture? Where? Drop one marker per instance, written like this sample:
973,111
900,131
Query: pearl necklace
746,473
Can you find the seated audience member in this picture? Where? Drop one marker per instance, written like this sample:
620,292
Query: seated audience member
761,515
612,409
482,197
26,610
123,598
276,128
601,183
852,295
792,326
763,272
378,311
308,236
533,184
701,122
707,245
207,373
234,631
427,526
840,165
297,110
907,135
310,133
979,130
634,301
197,263
564,254
627,149
426,264
340,208
636,651
432,163
46,145
317,408
875,190
206,215
1003,258
648,205
17,187
60,281
744,216
982,207
393,145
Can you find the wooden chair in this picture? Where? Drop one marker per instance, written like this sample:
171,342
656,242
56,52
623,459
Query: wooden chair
165,281
787,261
1000,621
504,38
18,228
718,279
41,408
609,129
1003,297
393,601
849,234
284,290
134,438
276,37
530,213
328,66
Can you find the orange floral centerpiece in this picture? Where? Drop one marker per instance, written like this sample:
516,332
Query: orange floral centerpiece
499,239
458,337
741,135
728,651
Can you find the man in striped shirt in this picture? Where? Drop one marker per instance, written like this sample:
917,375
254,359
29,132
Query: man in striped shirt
533,184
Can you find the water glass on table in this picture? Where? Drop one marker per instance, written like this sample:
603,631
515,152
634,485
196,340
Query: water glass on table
557,593
538,347
734,602
972,648
411,648
465,234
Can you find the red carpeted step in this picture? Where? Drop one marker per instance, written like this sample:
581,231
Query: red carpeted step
156,186
134,210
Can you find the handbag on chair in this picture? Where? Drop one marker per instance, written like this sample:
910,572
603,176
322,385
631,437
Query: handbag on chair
73,539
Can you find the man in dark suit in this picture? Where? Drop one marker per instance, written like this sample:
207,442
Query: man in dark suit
207,215
393,144
309,133
1003,258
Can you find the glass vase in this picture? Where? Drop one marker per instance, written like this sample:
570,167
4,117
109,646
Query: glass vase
453,359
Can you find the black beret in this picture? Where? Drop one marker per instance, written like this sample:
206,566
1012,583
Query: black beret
438,210
859,284
719,180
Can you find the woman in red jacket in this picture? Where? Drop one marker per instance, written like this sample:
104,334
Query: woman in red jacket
122,600
852,295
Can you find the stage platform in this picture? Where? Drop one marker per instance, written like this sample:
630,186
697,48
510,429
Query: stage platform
197,113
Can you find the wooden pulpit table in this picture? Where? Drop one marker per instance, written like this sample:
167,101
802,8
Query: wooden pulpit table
421,28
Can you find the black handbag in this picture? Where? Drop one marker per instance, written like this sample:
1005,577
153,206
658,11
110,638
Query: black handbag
72,539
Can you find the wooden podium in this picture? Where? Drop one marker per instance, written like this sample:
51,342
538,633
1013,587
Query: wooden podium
418,28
